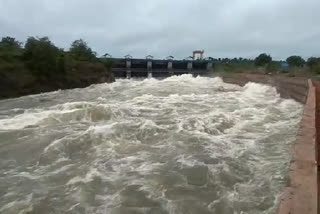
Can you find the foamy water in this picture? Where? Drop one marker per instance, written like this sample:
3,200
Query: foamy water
176,146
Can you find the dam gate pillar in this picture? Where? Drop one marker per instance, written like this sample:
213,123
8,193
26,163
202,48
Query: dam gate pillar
170,66
149,68
189,66
209,66
128,66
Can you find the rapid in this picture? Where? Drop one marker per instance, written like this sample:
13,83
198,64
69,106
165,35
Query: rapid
180,145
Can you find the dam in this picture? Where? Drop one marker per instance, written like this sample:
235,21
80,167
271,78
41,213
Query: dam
240,143
128,67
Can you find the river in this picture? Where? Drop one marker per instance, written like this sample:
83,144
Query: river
180,145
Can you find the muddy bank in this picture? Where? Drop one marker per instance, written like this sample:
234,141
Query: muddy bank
301,196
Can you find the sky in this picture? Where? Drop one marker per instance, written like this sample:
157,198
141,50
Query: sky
222,28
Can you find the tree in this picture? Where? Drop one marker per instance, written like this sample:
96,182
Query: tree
108,63
262,59
10,48
42,56
10,43
295,61
314,64
80,51
234,60
313,61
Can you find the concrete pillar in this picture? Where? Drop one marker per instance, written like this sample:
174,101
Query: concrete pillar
209,66
128,63
170,67
189,66
128,74
149,65
149,68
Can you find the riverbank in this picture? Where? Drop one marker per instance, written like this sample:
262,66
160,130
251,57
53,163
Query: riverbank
301,195
40,66
23,82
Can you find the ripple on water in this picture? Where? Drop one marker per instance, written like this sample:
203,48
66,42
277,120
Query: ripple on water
178,145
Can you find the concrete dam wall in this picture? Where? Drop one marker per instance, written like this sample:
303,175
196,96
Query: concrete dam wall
128,67
301,195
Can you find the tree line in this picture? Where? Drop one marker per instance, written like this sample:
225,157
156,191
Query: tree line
311,65
292,61
41,56
266,62
39,65
44,59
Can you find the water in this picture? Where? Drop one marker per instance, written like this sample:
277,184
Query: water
181,145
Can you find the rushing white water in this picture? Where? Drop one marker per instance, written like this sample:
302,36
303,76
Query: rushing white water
179,145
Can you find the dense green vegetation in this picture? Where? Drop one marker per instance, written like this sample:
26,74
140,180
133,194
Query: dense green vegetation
314,64
295,61
262,59
41,57
293,66
40,66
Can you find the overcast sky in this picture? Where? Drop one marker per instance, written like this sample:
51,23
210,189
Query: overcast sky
223,28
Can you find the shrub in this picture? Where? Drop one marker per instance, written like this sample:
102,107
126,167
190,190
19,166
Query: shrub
79,50
295,61
262,59
42,56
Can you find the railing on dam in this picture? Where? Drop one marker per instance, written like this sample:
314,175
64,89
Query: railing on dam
157,68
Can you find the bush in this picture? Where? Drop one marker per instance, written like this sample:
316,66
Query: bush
295,61
313,61
79,50
262,59
10,49
10,43
273,67
42,56
315,68
108,63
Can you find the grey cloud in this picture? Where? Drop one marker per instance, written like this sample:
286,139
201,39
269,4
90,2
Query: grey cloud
234,28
